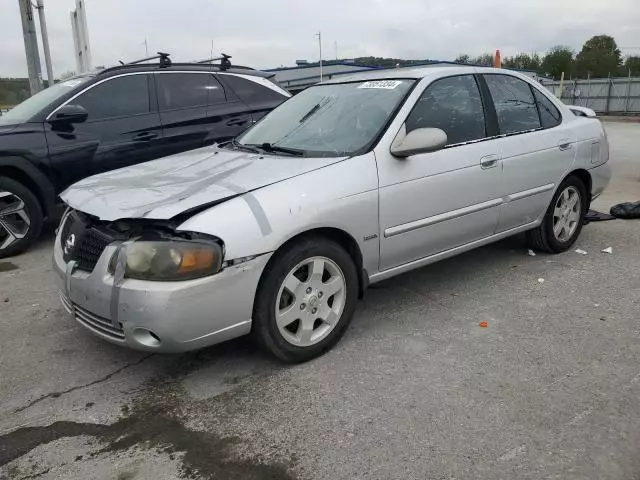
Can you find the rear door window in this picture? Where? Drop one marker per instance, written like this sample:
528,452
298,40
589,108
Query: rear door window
550,116
514,103
117,97
187,90
452,104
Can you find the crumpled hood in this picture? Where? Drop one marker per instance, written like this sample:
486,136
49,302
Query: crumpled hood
164,188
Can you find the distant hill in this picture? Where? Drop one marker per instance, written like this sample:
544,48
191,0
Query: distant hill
13,91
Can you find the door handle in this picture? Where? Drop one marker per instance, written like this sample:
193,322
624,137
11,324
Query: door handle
489,161
565,144
145,136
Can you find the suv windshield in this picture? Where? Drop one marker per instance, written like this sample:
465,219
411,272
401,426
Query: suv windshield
33,105
329,120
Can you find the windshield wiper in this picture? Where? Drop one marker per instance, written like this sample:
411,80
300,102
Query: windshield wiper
309,113
269,147
241,146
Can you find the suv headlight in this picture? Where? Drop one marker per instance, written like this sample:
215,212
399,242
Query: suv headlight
170,260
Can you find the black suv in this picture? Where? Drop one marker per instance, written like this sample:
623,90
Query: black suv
112,118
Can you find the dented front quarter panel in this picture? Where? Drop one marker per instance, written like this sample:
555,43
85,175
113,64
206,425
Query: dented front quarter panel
343,196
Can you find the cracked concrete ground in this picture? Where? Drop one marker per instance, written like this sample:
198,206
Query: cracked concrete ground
415,390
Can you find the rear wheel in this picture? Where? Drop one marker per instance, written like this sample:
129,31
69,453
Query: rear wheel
20,217
564,218
306,300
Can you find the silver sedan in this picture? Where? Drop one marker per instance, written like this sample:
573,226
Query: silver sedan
279,232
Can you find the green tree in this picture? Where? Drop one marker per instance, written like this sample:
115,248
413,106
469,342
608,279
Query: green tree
557,60
599,57
484,59
463,58
524,61
632,64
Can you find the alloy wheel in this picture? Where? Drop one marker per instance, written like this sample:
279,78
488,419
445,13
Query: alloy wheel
14,219
310,301
566,214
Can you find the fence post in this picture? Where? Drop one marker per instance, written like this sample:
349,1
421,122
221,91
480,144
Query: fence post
588,89
626,100
606,108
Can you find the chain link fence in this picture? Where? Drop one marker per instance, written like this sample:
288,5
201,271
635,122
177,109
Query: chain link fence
604,95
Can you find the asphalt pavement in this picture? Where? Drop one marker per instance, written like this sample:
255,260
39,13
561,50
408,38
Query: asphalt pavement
415,390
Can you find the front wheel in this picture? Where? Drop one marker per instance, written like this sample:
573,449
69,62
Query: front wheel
306,300
20,217
564,218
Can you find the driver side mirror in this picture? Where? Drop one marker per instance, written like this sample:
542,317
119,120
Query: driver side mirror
420,140
70,114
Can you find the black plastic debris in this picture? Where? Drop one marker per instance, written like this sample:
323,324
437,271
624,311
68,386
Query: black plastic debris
626,210
595,216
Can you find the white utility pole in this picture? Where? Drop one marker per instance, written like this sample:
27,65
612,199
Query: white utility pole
81,38
45,41
336,45
31,46
319,35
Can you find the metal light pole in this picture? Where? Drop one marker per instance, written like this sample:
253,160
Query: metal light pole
31,46
319,35
45,41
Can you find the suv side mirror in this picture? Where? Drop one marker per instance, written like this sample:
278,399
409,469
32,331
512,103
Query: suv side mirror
70,114
420,140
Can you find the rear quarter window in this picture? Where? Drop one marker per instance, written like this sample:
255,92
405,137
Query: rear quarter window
252,92
550,116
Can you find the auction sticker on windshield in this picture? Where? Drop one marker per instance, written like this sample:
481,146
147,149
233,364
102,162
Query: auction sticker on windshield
386,84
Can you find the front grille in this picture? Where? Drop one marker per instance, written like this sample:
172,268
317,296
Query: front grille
93,322
92,244
83,242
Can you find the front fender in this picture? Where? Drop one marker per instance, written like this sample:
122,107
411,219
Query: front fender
46,191
343,195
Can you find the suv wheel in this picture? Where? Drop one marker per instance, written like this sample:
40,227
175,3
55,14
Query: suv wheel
564,218
20,217
306,300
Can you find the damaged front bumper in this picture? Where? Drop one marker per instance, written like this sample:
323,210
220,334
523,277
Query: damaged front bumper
159,316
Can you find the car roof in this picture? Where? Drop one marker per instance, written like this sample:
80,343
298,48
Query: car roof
420,73
191,67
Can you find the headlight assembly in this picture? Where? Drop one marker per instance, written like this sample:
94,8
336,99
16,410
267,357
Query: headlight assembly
169,260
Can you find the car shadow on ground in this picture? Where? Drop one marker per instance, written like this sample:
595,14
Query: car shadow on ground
391,295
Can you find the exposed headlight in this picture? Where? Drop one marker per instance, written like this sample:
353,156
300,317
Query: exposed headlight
170,260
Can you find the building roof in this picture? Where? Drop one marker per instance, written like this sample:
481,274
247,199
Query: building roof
300,77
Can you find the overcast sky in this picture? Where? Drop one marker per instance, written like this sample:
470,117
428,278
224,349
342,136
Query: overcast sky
271,33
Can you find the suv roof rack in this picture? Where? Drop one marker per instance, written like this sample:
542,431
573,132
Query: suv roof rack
165,61
225,63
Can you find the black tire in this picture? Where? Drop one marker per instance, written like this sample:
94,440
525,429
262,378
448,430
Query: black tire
265,330
543,237
34,212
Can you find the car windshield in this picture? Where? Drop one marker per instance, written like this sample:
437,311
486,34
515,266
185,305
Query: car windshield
33,105
329,120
